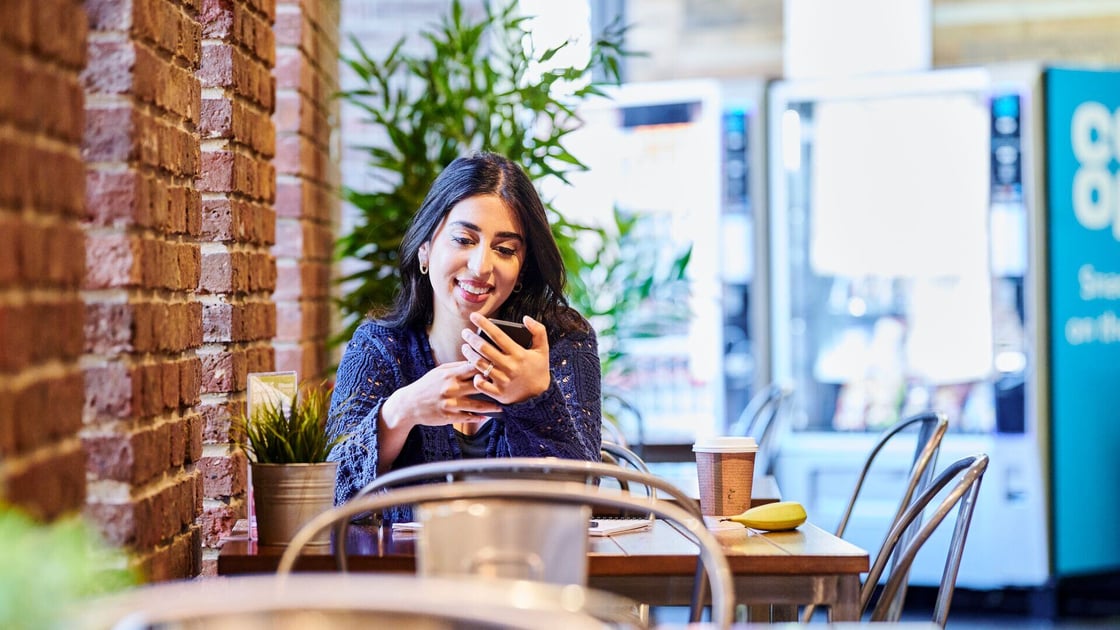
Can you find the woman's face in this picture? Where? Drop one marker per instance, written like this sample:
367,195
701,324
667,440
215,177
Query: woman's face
474,258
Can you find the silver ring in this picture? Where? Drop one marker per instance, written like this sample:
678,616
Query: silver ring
486,372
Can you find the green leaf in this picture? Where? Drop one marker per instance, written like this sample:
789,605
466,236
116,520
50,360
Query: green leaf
465,87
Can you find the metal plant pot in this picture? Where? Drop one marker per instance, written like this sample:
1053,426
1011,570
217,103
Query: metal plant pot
287,496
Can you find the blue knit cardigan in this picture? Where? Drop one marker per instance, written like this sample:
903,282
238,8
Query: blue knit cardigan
565,421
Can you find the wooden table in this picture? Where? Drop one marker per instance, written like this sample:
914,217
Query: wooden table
656,566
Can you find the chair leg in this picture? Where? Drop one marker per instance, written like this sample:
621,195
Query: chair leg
757,613
643,613
699,595
783,613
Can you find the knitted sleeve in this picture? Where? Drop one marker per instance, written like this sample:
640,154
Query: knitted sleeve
368,373
566,420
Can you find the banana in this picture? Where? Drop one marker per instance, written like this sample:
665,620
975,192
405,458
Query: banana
772,516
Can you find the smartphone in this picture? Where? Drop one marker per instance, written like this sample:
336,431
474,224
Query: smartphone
517,332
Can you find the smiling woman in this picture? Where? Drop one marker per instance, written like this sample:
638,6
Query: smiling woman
479,247
474,260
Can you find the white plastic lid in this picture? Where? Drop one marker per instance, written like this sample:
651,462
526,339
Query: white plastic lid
725,444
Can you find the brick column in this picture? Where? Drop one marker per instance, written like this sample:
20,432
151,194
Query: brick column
142,323
238,187
307,181
42,261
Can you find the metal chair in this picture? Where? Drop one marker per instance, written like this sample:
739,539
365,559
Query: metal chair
931,429
970,471
546,468
758,420
344,601
619,455
528,492
623,414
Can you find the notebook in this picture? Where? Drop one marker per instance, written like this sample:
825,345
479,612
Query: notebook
598,527
611,526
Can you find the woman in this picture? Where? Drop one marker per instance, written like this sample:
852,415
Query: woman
479,248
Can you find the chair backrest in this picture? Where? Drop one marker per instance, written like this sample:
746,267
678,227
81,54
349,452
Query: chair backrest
623,417
931,428
549,468
521,467
970,471
759,420
624,456
537,490
619,455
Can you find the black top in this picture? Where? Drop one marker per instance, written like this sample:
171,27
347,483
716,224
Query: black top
474,446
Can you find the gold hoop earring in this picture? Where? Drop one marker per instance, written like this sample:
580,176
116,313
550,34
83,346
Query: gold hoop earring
423,269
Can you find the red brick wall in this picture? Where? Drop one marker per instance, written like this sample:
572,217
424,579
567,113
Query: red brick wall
42,49
137,216
307,181
143,323
238,186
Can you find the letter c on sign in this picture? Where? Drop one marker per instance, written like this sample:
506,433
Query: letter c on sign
1090,117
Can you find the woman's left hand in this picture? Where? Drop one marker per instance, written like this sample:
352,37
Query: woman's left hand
506,371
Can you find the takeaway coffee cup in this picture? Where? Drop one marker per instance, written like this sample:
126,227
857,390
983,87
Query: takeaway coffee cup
725,469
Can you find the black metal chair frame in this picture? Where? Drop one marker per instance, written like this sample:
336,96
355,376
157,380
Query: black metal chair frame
970,471
931,429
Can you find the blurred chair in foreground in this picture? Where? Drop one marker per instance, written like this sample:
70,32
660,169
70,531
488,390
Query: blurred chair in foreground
970,472
345,601
931,428
543,468
507,543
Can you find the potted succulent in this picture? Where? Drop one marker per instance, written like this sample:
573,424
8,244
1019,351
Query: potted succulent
291,479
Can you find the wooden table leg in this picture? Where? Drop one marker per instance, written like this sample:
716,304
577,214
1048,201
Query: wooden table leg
846,606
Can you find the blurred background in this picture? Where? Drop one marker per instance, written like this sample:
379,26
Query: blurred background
863,185
882,206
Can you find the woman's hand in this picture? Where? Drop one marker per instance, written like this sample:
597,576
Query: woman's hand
504,370
442,396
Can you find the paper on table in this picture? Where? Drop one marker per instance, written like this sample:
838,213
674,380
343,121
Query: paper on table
609,526
599,527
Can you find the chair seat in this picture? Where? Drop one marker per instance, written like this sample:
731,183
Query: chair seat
344,601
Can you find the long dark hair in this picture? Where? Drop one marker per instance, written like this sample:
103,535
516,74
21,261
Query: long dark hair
542,275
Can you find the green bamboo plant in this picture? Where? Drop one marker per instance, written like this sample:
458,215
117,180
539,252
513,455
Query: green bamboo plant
472,88
633,289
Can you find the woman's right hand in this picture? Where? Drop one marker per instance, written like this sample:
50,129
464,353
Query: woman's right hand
442,396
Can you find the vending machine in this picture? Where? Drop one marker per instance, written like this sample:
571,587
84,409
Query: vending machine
917,262
686,158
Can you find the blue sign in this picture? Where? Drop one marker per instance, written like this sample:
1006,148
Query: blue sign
1083,142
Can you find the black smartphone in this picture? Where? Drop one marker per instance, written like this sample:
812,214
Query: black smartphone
517,332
